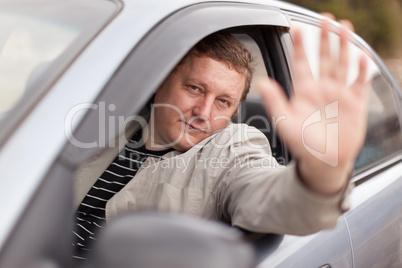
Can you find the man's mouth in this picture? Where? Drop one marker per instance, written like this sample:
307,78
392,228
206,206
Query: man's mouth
194,128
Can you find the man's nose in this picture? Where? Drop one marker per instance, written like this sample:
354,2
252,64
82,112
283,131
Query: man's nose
203,108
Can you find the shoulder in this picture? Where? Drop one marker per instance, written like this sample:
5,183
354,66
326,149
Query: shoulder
240,133
239,136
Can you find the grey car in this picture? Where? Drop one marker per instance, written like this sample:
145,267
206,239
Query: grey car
68,69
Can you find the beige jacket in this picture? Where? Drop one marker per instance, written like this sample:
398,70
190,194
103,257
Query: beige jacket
230,176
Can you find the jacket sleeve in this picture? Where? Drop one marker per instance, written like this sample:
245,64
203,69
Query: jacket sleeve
259,195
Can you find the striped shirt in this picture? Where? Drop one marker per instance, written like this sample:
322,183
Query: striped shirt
90,215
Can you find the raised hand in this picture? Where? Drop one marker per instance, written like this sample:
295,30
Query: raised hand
325,119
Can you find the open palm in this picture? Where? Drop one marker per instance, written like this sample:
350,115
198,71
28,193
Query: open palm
325,119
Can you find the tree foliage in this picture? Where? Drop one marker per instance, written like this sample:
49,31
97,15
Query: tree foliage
379,22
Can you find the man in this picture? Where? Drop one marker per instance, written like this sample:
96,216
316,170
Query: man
190,159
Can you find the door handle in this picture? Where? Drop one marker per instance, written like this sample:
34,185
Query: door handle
326,266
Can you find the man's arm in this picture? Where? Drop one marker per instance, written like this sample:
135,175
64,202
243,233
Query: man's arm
334,113
255,193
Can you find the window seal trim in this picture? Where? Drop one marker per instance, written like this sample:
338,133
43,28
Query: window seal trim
375,168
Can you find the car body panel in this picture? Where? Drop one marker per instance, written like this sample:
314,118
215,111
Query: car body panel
308,251
375,220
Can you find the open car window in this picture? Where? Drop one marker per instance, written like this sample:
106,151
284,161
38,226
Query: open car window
252,112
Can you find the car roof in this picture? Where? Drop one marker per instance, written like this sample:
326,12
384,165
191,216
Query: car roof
156,5
160,9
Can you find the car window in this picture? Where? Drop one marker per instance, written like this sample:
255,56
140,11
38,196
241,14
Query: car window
383,137
259,68
252,112
26,51
35,37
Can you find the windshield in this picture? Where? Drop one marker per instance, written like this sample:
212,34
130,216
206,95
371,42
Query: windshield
37,41
26,52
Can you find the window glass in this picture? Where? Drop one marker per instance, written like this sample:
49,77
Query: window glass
34,35
26,50
384,137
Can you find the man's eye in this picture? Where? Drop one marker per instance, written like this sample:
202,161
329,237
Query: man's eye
194,90
223,101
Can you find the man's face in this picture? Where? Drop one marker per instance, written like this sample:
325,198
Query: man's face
195,101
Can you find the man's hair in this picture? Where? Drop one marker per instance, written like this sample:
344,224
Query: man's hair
222,46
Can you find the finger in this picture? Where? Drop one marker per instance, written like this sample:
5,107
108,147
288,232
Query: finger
301,67
328,15
360,83
325,53
343,64
348,24
275,100
363,66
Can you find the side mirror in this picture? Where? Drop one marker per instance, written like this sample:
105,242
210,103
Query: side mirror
146,240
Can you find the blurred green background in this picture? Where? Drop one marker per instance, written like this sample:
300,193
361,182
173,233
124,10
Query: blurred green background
379,22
